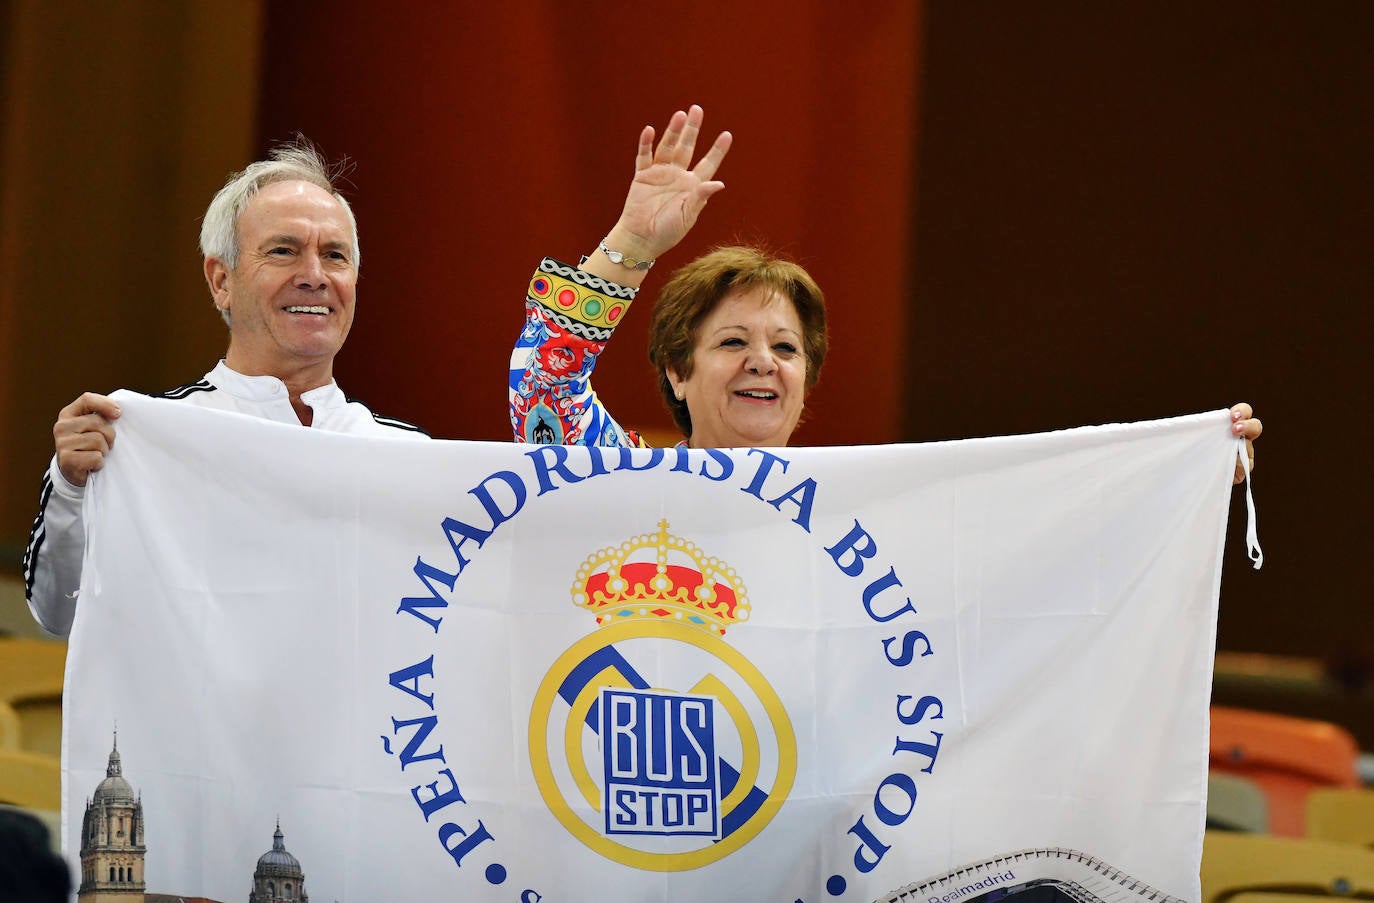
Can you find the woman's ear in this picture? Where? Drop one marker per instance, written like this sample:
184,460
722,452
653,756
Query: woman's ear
678,383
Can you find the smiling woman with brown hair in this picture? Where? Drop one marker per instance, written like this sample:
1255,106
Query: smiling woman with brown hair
738,338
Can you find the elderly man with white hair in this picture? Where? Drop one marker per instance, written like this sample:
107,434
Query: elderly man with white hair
281,259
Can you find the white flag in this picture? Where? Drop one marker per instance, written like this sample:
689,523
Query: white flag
372,670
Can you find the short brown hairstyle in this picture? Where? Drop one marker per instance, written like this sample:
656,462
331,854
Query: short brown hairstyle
694,291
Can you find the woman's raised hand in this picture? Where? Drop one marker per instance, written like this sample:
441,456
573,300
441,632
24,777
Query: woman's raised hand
667,192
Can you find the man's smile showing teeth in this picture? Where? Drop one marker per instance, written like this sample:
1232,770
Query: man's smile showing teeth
308,309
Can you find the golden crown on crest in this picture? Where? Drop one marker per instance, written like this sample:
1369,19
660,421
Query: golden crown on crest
659,576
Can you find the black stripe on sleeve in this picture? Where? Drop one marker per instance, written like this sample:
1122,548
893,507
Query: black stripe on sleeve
36,536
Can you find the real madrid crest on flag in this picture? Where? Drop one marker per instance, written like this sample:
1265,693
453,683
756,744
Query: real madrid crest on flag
652,740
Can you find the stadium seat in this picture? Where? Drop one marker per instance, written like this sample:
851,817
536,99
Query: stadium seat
29,779
1251,868
1344,815
1288,685
9,727
31,677
1236,804
1285,757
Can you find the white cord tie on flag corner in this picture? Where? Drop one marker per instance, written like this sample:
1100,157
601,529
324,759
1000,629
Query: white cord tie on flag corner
1251,529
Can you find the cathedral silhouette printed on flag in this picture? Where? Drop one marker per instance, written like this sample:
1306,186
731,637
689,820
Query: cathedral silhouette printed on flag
114,848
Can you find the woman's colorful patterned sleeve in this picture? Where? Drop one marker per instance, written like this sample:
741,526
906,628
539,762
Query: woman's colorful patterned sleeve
569,317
